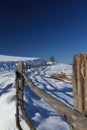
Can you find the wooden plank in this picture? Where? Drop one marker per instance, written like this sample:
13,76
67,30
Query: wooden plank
27,119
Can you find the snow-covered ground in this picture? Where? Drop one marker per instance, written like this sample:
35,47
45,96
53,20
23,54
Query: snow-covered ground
7,101
15,58
42,115
10,62
50,70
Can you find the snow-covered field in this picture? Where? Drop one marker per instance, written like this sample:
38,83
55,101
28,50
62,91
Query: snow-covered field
15,58
42,115
7,101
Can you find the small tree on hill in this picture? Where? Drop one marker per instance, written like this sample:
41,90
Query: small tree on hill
52,59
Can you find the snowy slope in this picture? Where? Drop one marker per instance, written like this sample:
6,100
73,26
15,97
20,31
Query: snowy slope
58,68
8,63
43,116
7,103
48,71
56,88
4,58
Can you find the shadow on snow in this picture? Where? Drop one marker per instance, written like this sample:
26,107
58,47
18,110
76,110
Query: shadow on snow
33,104
6,89
54,91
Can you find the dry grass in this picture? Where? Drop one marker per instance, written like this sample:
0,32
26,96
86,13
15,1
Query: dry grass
63,77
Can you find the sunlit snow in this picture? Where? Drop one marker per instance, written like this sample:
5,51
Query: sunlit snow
42,115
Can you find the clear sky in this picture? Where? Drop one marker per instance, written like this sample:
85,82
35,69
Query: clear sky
41,28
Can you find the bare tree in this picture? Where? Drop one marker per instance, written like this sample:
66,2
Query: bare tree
52,59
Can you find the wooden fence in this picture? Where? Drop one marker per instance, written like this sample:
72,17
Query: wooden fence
19,98
75,117
80,82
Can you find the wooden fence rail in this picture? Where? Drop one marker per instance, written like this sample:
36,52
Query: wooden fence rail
76,120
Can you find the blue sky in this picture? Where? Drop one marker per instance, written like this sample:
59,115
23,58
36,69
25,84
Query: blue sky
41,28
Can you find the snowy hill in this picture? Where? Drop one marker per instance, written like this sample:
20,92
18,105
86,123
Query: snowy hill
56,69
10,62
42,115
4,58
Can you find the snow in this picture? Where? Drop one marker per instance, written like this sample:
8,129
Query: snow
15,58
58,89
58,68
42,115
10,62
7,104
48,71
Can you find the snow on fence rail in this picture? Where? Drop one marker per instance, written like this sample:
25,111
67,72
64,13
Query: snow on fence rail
75,117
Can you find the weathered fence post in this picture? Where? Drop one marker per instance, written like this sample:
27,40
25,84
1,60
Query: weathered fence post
17,102
79,81
19,95
21,83
19,91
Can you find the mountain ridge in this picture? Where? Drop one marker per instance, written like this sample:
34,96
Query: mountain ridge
15,58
